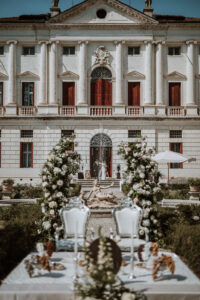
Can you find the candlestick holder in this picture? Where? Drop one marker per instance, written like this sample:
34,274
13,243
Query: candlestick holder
131,274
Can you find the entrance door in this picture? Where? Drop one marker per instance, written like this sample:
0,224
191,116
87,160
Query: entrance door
174,94
69,93
134,93
101,87
100,151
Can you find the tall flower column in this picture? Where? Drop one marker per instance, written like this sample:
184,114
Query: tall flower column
148,73
119,74
11,104
43,70
53,77
82,99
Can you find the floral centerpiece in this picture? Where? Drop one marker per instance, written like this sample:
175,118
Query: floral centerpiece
57,173
100,280
143,182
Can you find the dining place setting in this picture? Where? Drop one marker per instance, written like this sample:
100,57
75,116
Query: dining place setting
81,265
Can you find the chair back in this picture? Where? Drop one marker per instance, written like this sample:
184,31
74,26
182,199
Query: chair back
75,219
127,220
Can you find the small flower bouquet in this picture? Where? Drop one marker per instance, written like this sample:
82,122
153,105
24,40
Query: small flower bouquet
100,280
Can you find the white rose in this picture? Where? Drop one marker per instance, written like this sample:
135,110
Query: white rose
51,212
196,218
60,182
52,204
142,175
59,194
44,183
57,147
43,210
46,195
56,170
128,296
146,223
46,225
54,186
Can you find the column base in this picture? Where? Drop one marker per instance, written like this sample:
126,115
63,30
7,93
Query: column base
160,110
119,110
50,109
149,109
11,110
191,110
42,109
82,110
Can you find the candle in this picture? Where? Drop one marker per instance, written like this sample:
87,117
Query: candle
132,244
131,275
76,239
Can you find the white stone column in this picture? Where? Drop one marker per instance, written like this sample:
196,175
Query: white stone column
148,73
53,74
119,99
82,98
43,73
12,73
190,100
159,74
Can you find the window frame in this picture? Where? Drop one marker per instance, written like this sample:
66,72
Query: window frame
26,136
23,89
136,136
21,155
174,50
175,133
134,48
179,165
1,84
69,47
28,47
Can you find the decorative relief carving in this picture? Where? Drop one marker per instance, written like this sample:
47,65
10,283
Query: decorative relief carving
102,56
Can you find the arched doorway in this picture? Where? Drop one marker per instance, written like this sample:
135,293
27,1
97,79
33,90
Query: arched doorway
100,151
101,87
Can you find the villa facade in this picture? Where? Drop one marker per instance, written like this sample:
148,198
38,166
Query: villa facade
106,72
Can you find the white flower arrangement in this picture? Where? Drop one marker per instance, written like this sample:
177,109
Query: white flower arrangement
60,182
46,225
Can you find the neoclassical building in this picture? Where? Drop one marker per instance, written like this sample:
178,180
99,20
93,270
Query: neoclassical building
108,73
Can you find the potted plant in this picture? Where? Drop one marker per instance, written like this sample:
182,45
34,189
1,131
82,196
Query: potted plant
194,184
7,185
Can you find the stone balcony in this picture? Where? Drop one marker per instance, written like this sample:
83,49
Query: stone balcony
102,111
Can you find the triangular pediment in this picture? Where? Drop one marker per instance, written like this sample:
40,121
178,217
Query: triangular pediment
69,74
135,74
3,76
116,13
28,74
176,75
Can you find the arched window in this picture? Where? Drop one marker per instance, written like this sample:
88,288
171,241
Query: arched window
101,87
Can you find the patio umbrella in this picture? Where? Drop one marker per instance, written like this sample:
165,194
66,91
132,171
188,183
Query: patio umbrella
169,157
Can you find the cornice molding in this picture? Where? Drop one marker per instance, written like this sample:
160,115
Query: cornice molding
69,74
176,75
28,74
112,3
3,76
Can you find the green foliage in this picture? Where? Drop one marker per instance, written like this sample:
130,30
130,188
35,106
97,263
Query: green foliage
26,191
194,181
57,173
75,190
8,181
174,191
143,178
18,236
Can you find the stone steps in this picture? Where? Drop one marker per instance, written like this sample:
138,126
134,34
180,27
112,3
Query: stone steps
89,182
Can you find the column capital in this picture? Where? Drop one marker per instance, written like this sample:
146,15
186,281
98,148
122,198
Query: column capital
53,42
191,42
119,42
83,42
148,42
158,42
43,42
12,42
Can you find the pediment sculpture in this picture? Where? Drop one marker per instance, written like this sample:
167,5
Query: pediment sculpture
102,56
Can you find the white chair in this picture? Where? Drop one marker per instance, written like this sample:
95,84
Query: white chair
128,221
74,220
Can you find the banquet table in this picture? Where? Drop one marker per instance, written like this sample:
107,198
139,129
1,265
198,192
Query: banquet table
58,285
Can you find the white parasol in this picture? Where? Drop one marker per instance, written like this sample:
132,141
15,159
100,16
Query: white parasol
169,157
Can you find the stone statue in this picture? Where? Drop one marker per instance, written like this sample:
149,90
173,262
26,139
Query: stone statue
55,3
148,3
100,199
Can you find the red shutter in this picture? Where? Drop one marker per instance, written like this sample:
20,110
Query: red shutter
21,155
174,94
98,92
68,93
134,93
0,155
93,85
171,148
107,93
181,151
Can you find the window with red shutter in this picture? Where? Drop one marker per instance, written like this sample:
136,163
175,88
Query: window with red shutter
174,94
68,93
134,93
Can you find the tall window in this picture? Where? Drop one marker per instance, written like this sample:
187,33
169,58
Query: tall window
1,50
26,155
69,50
1,93
133,50
28,50
69,93
174,51
27,93
174,94
134,93
176,147
101,87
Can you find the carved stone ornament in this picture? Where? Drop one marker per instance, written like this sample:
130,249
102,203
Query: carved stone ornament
102,56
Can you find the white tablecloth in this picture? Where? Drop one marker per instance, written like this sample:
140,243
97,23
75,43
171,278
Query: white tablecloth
57,285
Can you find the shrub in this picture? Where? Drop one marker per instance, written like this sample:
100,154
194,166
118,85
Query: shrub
8,181
26,191
18,236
